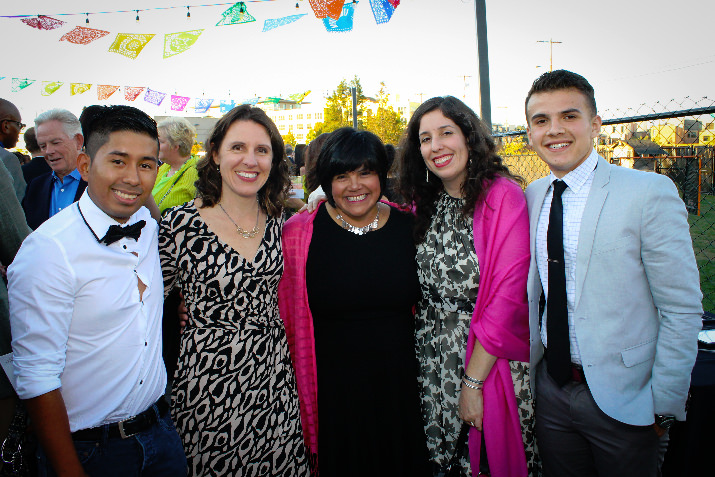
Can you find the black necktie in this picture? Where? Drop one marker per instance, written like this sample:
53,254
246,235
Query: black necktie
557,317
117,232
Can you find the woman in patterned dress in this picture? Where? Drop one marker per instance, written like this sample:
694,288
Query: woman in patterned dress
234,399
472,234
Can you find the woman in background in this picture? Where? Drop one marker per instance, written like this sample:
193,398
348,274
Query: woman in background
177,175
472,233
234,399
347,295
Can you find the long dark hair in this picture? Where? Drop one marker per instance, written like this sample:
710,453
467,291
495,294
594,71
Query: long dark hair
483,164
272,195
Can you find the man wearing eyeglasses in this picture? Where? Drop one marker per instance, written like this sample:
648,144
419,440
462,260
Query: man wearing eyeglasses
10,127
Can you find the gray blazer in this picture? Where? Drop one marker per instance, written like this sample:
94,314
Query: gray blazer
638,302
13,230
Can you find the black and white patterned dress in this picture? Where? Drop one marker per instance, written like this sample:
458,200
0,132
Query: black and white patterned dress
448,270
234,399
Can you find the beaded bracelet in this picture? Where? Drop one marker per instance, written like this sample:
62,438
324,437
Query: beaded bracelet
471,386
478,382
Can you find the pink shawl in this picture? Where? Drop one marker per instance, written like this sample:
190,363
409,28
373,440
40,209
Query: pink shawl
501,322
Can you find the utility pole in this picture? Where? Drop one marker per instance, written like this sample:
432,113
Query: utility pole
551,52
485,102
353,91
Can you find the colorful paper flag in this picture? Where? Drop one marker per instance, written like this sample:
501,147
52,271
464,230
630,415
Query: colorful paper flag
327,8
83,35
42,22
178,103
20,83
130,44
49,87
79,88
227,106
132,92
104,91
342,24
154,97
277,22
202,105
236,14
175,43
382,10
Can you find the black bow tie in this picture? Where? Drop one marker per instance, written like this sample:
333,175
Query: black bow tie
117,232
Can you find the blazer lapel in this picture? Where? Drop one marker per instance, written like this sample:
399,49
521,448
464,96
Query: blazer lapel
592,211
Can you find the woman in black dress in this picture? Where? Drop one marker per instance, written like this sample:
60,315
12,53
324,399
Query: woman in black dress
347,295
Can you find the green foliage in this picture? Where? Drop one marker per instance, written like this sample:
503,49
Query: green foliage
339,108
386,122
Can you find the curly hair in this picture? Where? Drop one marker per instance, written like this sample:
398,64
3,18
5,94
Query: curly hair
271,196
483,164
180,132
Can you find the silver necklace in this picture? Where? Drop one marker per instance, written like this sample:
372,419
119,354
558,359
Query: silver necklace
360,230
241,231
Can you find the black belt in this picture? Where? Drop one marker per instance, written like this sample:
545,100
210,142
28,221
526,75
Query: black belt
126,428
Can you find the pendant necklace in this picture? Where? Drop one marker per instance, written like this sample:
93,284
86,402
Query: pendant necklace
241,231
360,230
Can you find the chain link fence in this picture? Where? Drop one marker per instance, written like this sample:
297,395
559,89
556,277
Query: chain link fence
675,138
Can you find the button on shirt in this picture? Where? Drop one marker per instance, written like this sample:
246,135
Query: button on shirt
63,191
78,322
574,202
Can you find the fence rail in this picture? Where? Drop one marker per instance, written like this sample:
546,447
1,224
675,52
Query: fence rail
665,138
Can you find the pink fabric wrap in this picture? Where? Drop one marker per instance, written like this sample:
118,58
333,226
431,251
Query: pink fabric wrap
295,312
501,322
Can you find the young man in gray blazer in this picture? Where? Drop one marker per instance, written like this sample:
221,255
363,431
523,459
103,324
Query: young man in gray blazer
614,295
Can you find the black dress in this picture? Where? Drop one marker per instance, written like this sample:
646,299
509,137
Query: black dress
361,291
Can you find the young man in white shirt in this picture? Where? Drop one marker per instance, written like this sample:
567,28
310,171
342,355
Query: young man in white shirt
86,298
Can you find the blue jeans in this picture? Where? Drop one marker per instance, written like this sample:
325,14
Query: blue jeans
155,452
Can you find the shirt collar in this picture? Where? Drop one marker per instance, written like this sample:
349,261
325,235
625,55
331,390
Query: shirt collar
578,177
74,174
97,220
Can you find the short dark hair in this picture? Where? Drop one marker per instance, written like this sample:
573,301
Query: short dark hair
483,165
31,141
562,79
209,185
348,149
98,122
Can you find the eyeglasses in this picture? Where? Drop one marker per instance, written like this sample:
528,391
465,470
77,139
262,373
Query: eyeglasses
18,123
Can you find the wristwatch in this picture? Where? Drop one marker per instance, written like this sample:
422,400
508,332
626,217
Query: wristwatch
664,421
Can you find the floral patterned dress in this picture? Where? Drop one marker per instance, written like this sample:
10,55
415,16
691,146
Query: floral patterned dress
448,271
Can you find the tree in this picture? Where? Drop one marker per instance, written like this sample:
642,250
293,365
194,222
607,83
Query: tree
386,122
339,107
289,138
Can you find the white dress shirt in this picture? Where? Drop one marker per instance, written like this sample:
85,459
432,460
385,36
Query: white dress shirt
78,322
574,202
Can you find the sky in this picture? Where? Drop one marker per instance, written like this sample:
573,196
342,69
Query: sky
634,52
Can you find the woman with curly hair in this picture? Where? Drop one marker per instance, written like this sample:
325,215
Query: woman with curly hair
472,336
234,397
